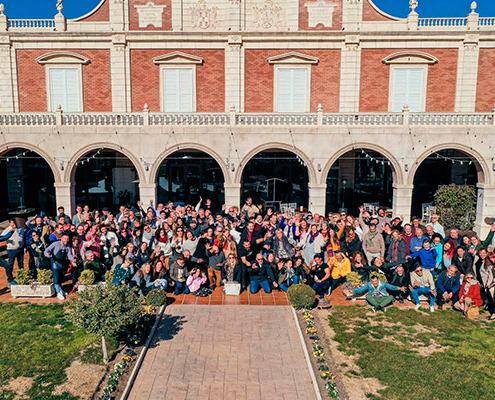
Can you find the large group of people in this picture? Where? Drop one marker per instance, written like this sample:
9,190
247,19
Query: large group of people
197,248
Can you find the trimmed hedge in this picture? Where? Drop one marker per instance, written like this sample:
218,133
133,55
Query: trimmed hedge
301,296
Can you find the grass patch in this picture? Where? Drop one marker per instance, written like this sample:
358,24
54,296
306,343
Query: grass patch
37,342
419,355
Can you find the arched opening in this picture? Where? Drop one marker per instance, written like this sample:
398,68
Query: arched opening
443,167
105,178
276,176
27,181
357,177
186,175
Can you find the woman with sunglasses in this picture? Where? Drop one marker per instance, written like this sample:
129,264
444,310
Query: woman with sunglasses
469,295
231,270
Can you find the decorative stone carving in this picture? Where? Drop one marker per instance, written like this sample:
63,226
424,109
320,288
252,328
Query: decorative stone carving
33,290
60,6
202,16
150,14
320,13
267,16
413,4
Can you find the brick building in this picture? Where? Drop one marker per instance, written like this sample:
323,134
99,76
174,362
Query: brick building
174,99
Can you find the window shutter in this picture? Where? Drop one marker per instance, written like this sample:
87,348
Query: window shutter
178,90
292,89
408,89
65,89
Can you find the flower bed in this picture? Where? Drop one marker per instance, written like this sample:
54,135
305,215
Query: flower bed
319,354
118,370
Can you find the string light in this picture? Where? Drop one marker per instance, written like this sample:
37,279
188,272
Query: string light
17,156
461,161
376,160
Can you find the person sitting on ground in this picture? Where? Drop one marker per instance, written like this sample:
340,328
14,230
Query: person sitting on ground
469,294
123,272
322,279
377,295
285,274
142,279
231,270
399,277
261,275
360,266
160,276
422,283
448,286
93,264
195,282
340,267
428,257
178,273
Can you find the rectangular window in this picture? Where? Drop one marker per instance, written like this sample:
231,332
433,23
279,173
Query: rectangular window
178,90
65,89
408,88
292,89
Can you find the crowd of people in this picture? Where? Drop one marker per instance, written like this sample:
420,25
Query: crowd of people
195,249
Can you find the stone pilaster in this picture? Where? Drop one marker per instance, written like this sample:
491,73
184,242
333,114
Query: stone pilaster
147,192
232,194
119,77
350,74
234,81
317,198
65,196
6,77
467,74
402,201
485,208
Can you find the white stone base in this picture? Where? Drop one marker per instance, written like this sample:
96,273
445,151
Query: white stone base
33,290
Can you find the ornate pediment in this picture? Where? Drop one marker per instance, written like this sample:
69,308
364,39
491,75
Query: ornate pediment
177,57
410,57
293,57
62,57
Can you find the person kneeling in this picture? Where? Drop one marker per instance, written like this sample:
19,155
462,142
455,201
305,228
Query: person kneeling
195,282
448,286
261,275
377,295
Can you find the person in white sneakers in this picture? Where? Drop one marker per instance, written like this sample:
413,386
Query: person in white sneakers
61,257
422,282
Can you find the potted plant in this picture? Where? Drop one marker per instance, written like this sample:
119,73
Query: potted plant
27,288
354,281
86,279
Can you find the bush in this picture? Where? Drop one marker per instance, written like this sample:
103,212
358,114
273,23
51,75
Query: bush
87,277
354,278
301,296
45,277
23,277
156,298
456,206
109,276
380,276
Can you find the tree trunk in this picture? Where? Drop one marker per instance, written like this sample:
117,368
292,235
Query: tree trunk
104,348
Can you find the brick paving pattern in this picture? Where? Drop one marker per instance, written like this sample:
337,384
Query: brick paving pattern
225,352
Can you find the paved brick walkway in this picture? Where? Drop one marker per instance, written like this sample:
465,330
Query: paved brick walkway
225,352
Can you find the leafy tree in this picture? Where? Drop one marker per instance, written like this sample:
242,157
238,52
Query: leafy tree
104,310
456,206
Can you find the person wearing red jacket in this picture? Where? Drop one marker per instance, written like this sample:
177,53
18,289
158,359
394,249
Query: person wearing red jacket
469,294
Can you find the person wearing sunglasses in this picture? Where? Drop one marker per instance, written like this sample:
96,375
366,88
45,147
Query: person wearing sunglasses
470,295
422,283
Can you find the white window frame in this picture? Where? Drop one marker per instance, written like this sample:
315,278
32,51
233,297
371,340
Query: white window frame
394,68
162,85
49,67
275,85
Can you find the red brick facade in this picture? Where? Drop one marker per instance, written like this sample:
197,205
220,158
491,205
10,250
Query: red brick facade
210,79
166,16
96,80
375,80
303,17
259,79
485,92
101,14
370,14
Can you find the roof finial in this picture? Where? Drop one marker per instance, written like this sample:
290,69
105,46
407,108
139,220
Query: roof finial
2,9
60,6
473,6
413,4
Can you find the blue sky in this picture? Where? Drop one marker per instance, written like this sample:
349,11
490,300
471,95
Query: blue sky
399,8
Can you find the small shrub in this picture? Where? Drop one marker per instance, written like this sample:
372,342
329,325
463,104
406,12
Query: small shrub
23,277
156,298
301,296
87,277
354,278
456,206
45,277
380,276
109,276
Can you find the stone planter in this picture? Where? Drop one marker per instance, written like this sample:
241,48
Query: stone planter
82,288
32,290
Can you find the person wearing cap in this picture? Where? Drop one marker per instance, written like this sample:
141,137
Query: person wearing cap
322,278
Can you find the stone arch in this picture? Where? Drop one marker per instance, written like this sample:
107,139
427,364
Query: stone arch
276,146
69,175
48,159
394,164
184,147
481,165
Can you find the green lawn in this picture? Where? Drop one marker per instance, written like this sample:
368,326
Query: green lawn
36,341
458,364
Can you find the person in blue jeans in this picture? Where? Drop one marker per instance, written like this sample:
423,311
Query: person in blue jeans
422,283
285,274
261,275
428,257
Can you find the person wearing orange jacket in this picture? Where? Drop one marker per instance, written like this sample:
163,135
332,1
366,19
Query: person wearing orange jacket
340,266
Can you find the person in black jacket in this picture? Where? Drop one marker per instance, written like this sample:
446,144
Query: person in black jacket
464,261
261,275
360,266
351,244
400,278
396,252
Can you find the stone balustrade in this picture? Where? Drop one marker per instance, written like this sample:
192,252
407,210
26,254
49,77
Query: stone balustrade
246,119
31,24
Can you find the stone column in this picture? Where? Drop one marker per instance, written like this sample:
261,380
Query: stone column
317,198
119,76
65,196
352,15
118,15
350,75
232,194
467,74
147,192
234,82
402,201
485,208
6,78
